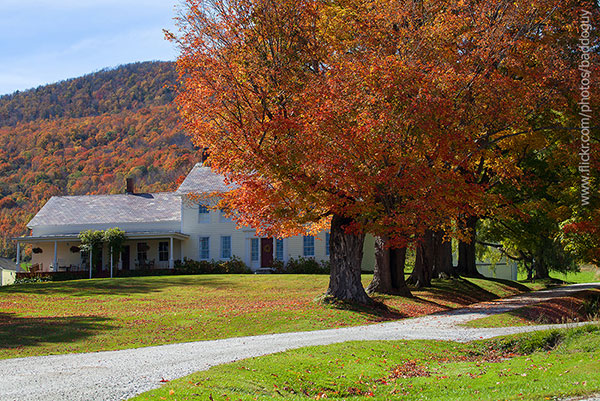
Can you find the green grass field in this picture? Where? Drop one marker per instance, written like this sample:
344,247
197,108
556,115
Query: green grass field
544,365
109,314
587,274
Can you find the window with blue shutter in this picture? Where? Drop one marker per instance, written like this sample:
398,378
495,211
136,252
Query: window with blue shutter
254,249
279,249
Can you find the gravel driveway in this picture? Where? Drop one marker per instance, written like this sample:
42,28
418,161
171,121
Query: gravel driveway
118,375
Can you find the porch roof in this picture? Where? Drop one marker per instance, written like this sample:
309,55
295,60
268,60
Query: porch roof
128,235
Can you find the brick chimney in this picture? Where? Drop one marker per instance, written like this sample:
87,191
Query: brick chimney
204,156
130,185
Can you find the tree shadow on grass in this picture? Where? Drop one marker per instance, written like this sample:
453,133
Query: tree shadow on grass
121,286
513,284
17,332
444,294
457,291
378,311
448,291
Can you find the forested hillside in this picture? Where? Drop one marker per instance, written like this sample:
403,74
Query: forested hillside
86,135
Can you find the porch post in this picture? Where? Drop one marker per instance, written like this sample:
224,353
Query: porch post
18,256
55,261
171,261
91,251
111,262
274,249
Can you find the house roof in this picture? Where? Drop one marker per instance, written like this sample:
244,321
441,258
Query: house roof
131,235
7,264
203,180
103,209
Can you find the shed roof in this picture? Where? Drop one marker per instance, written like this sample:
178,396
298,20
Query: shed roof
103,209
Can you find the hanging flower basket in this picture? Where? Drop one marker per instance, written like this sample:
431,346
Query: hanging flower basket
75,249
37,250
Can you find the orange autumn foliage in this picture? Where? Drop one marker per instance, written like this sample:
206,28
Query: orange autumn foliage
384,112
124,126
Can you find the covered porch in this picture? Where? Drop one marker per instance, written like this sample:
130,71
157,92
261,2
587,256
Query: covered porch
141,251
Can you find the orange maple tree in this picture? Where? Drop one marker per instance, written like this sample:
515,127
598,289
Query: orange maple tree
365,116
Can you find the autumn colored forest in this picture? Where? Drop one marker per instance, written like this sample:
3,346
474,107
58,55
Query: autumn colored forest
85,136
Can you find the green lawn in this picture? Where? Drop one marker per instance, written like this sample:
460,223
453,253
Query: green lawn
587,274
536,366
108,314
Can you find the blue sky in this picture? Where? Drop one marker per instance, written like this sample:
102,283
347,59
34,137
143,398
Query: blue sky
44,41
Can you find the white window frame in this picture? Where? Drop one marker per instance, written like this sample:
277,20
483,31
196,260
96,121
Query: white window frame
223,248
223,218
140,252
203,214
200,248
166,243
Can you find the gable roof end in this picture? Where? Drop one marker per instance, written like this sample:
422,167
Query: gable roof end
203,180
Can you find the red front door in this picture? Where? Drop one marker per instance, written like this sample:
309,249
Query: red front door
266,252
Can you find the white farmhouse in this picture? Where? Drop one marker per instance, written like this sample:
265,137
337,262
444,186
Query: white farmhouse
160,229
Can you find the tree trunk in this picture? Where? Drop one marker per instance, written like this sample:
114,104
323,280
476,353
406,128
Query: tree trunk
442,266
397,264
421,275
529,269
97,260
382,275
388,274
541,269
346,252
467,264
